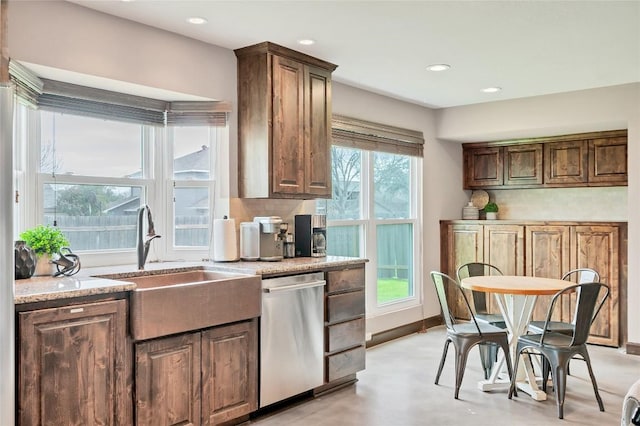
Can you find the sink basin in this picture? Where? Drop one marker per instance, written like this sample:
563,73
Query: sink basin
171,303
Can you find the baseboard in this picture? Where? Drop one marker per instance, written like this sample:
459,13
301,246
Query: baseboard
633,348
404,330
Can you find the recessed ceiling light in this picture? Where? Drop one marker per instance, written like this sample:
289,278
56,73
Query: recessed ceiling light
494,89
196,20
306,42
438,67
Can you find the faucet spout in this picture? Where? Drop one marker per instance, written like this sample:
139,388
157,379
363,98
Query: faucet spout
142,245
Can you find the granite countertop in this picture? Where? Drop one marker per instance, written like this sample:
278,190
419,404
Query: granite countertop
113,279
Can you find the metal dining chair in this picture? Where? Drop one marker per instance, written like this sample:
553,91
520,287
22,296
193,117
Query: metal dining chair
559,348
465,336
488,351
583,275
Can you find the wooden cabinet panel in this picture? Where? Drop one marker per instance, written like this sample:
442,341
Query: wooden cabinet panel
523,164
566,162
547,255
72,365
229,372
168,381
346,279
608,160
597,247
504,248
318,132
344,363
465,244
345,335
483,167
345,306
288,126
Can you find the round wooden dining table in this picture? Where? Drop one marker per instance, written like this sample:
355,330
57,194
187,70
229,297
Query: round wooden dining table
516,297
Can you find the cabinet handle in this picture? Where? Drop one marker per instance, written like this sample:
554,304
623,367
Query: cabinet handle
76,310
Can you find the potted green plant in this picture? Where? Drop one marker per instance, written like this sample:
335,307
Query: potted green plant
491,210
45,241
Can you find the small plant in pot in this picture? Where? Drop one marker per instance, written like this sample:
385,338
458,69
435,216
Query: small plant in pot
491,211
46,241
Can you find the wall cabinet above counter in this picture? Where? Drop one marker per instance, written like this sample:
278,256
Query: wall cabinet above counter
578,160
284,123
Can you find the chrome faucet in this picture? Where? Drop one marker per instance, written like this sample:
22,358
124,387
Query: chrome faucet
142,246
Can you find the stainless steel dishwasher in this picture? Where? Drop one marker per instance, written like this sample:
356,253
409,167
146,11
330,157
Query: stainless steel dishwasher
291,336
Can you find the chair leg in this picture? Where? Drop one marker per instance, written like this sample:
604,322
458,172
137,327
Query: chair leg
559,385
546,371
444,356
507,358
593,381
461,362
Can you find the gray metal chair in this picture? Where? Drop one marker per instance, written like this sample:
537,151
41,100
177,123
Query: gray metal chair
465,335
583,275
559,348
488,351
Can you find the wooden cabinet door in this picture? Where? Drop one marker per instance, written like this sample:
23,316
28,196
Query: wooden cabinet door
597,247
72,365
608,160
504,248
523,164
465,244
229,372
287,127
317,132
566,162
483,167
168,381
547,255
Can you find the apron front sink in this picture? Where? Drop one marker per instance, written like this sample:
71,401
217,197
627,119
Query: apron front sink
165,304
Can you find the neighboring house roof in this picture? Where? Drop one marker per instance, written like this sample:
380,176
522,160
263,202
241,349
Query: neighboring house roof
194,161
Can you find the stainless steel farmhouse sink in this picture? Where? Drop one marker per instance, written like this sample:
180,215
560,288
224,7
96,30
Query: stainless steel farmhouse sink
171,303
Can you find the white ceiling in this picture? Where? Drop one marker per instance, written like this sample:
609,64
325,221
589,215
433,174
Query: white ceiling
528,48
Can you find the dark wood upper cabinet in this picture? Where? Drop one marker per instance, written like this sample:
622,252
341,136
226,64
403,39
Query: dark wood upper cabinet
585,159
566,162
483,167
523,164
284,123
608,160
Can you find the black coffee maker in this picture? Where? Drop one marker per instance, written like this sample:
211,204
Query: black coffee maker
311,235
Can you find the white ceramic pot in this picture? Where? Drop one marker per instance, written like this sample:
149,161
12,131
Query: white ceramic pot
492,215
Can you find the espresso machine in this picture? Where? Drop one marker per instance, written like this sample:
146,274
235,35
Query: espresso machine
311,235
271,245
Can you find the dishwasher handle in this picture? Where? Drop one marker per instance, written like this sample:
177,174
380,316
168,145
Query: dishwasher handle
293,287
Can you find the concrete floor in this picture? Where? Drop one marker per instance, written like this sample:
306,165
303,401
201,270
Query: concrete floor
397,389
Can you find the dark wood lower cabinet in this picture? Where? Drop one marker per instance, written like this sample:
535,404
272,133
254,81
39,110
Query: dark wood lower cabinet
72,365
344,323
207,377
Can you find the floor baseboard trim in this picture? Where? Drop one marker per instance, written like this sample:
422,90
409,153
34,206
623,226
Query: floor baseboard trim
633,348
404,330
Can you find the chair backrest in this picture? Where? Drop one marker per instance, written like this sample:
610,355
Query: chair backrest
477,269
586,308
442,282
584,275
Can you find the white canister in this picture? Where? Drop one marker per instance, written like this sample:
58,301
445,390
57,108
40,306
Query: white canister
249,240
470,212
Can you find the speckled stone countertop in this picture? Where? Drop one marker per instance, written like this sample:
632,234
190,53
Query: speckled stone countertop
112,279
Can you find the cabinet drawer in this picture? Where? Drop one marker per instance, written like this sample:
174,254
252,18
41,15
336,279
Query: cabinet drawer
345,335
344,363
345,306
347,279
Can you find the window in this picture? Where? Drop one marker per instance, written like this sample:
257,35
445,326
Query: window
96,157
375,209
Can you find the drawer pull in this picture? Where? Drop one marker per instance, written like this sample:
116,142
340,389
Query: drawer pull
76,310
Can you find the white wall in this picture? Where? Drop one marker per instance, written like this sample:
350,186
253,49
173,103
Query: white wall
609,108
